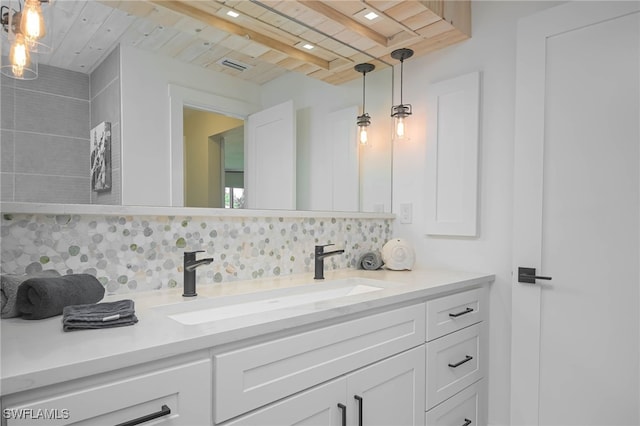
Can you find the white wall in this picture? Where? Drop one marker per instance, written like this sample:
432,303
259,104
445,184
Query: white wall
314,100
491,50
146,148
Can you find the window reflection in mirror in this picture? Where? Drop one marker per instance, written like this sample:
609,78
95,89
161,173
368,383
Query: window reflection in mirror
213,159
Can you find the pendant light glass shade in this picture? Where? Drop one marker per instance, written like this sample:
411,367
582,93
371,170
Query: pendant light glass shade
400,114
17,60
36,24
402,111
19,56
32,22
363,120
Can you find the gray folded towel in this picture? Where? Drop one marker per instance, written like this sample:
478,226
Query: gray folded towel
9,284
40,298
101,315
371,261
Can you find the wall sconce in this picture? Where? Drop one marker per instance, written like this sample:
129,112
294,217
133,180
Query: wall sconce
402,111
25,32
364,120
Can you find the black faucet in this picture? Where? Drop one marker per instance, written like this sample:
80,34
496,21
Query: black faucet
190,264
319,260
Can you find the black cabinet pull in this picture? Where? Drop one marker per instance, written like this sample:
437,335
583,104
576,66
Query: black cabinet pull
343,408
467,422
459,363
164,411
466,311
360,403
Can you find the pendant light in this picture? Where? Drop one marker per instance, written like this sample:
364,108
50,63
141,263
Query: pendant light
364,120
402,111
19,56
32,22
26,35
33,27
17,60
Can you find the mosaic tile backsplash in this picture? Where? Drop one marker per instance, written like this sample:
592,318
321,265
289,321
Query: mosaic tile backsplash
142,253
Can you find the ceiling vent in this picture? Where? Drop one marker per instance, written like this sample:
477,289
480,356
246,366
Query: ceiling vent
233,64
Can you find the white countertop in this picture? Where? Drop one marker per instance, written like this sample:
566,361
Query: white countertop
39,353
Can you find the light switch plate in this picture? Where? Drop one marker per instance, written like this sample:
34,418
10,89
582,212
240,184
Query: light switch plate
406,213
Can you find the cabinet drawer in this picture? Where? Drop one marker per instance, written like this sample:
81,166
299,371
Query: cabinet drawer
453,363
184,390
451,313
251,377
463,409
318,406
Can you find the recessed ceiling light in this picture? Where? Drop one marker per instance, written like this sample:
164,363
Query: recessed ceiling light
371,16
367,15
304,45
233,14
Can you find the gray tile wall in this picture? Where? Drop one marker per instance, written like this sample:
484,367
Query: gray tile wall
44,131
105,106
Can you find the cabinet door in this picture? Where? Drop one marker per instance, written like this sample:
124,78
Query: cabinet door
390,392
315,407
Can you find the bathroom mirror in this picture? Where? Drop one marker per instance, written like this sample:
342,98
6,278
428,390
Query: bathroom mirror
137,103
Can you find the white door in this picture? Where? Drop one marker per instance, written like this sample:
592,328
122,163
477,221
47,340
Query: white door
575,339
270,158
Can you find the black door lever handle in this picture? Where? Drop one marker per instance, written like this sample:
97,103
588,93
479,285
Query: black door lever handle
528,276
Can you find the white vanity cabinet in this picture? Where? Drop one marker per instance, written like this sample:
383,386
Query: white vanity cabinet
416,359
368,353
176,393
388,392
455,360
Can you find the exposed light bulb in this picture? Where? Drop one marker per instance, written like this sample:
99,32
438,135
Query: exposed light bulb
19,56
32,22
400,127
362,131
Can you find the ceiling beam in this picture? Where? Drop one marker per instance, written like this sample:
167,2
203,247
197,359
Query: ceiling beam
233,28
345,20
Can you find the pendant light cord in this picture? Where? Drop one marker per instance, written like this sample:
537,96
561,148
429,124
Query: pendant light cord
401,83
364,75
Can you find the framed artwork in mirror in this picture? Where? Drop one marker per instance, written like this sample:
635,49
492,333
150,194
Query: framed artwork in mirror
101,157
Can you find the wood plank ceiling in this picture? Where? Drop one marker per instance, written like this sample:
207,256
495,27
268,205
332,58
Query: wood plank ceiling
267,36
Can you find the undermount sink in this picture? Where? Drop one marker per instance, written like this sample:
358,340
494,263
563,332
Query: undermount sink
223,308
